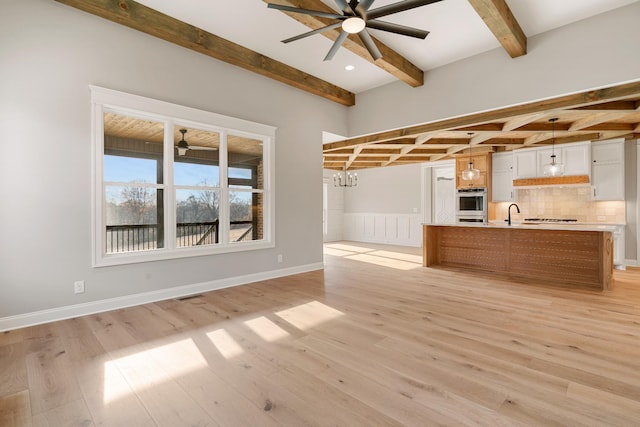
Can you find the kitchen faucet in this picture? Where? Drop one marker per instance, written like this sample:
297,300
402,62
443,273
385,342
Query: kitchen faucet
509,212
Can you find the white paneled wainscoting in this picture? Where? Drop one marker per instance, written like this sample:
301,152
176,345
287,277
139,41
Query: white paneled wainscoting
389,228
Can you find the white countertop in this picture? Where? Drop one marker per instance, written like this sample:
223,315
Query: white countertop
537,226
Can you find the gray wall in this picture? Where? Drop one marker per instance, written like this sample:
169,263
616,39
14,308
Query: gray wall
50,53
631,197
394,189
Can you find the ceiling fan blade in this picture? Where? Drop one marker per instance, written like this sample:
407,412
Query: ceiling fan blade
305,11
363,7
336,45
398,7
344,7
200,148
397,28
310,33
368,42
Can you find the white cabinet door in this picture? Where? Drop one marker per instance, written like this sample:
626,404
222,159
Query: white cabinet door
608,181
608,152
524,164
618,247
543,157
607,170
502,177
577,159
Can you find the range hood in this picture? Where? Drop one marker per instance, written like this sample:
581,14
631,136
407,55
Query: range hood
553,181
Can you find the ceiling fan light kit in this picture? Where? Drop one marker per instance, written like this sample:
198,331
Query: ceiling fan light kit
356,18
353,25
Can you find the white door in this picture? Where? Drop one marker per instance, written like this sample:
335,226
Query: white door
325,209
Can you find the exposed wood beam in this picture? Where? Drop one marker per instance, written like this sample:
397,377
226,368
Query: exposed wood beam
391,61
142,18
469,121
595,119
498,17
517,122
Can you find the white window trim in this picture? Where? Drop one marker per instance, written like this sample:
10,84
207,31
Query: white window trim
136,105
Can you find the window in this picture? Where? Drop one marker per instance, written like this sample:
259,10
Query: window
172,182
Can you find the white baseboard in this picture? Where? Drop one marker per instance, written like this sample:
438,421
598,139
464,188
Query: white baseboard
67,312
631,263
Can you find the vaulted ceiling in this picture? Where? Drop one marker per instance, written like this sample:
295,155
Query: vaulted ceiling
247,34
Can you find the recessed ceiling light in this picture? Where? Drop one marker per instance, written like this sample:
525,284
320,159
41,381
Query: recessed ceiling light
349,68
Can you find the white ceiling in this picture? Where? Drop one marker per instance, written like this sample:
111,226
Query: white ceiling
456,29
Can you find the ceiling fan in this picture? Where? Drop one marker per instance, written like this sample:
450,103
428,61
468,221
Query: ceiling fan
356,18
182,145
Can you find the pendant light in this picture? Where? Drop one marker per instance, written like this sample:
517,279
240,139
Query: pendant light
553,168
470,173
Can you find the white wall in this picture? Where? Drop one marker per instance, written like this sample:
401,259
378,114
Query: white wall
394,189
335,208
50,53
385,207
595,52
631,188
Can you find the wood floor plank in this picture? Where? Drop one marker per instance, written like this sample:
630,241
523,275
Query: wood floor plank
15,410
373,340
13,369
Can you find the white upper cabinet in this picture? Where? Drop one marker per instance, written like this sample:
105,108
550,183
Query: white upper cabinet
529,162
502,177
607,170
544,158
525,164
577,159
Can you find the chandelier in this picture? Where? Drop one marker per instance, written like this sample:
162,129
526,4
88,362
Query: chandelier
345,179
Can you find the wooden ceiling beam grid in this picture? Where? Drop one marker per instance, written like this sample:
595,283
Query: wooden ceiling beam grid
144,19
391,61
476,119
498,17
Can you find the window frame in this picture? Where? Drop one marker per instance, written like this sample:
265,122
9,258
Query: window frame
103,99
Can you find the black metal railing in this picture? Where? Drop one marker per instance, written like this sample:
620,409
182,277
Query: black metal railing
141,237
197,233
128,238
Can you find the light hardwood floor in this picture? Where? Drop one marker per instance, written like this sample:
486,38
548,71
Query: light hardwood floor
374,340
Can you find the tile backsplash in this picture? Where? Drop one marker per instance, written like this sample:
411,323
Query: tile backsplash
563,203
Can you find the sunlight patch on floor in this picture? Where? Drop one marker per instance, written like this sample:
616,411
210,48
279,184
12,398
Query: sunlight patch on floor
416,259
115,386
385,262
266,329
147,368
308,315
345,247
225,344
336,252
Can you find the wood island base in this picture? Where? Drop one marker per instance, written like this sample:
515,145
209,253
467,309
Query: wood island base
577,258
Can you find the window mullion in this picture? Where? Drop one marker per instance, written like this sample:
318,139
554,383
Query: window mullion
169,188
224,212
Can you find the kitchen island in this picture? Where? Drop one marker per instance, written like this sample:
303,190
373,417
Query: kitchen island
576,255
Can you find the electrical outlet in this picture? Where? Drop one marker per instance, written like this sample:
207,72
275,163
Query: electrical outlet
280,258
78,287
602,218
